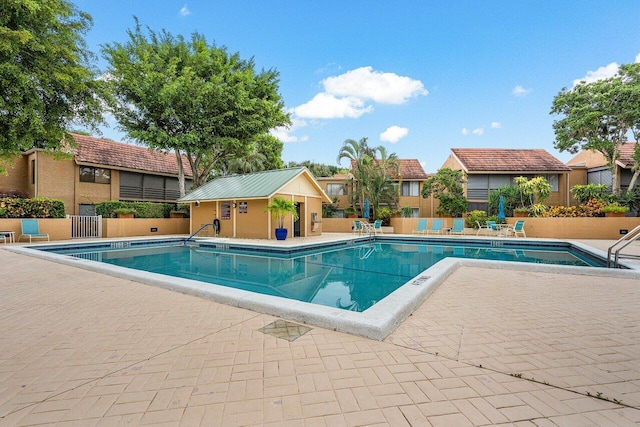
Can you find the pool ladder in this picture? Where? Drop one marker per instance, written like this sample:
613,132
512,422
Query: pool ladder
624,241
199,230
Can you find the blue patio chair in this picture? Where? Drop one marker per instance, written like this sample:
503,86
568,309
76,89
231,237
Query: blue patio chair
436,227
422,226
492,226
357,227
377,226
518,228
458,226
31,229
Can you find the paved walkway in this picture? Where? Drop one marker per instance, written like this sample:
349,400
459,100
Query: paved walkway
517,348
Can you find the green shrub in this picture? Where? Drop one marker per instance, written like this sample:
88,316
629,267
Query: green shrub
151,210
40,207
384,214
584,193
142,209
106,209
475,217
614,207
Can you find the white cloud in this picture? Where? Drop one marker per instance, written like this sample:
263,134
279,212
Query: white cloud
365,83
496,125
284,134
477,131
331,67
520,91
185,11
394,134
327,106
601,73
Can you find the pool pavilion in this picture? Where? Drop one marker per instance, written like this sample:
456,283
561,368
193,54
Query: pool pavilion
238,204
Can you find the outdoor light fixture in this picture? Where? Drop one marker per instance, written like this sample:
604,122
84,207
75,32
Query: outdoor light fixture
197,203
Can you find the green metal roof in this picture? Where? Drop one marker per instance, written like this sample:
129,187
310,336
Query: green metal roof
248,186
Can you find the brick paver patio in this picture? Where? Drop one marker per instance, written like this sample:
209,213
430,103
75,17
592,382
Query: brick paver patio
488,347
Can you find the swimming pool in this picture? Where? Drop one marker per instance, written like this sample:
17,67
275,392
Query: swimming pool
356,285
353,277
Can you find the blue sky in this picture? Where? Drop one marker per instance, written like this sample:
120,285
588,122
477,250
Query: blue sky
418,77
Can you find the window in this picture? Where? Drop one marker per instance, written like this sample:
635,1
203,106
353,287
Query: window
336,189
96,175
33,171
139,186
552,179
478,187
86,210
410,188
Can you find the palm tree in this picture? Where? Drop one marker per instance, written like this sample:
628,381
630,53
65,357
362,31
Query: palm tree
359,155
379,185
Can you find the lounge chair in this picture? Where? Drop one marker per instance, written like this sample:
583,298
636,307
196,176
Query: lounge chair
357,227
518,228
377,226
436,227
31,229
422,226
458,226
490,228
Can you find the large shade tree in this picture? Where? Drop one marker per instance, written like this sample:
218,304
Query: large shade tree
192,98
447,185
599,116
47,84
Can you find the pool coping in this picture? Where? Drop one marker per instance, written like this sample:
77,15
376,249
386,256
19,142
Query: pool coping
376,322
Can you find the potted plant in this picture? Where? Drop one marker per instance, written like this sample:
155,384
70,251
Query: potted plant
406,212
384,214
279,208
124,212
521,212
350,212
614,209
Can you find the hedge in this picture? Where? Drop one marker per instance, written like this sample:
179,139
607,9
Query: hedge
142,209
39,207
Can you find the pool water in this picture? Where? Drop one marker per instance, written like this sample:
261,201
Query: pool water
351,277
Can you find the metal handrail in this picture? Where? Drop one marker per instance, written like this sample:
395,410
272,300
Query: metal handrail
199,230
629,238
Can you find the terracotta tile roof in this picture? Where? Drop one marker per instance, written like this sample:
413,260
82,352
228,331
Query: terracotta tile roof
409,169
508,160
412,169
595,159
626,155
96,151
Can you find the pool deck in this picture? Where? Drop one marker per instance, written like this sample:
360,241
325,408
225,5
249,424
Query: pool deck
488,347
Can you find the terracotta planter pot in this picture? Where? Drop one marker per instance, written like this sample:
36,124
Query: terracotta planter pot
125,215
176,215
615,214
520,214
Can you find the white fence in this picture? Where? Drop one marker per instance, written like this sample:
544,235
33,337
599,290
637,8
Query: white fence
85,226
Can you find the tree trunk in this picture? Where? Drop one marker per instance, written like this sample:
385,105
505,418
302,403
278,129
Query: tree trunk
634,179
180,173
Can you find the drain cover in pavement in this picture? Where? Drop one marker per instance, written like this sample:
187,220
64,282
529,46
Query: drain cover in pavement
285,330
